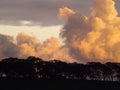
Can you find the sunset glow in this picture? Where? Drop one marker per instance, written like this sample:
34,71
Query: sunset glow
82,38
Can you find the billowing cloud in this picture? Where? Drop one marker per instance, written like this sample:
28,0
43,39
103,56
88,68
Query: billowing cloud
94,38
7,47
85,38
26,45
106,11
65,12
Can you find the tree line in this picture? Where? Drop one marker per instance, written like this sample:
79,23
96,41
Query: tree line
36,68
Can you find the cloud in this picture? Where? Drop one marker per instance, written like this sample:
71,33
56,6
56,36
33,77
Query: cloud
48,50
65,12
39,12
85,38
26,45
94,38
7,47
108,11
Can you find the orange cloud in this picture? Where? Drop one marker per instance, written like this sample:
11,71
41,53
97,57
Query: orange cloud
94,38
65,12
85,39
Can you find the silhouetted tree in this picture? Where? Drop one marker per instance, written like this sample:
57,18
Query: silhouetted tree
36,68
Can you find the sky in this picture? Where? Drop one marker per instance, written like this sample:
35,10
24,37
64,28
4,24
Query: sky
38,17
72,31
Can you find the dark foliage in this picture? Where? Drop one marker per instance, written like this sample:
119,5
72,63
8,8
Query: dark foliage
36,68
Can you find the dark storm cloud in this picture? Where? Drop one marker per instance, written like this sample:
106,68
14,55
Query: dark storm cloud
42,12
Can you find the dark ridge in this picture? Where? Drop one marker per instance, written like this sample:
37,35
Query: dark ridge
35,72
37,68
